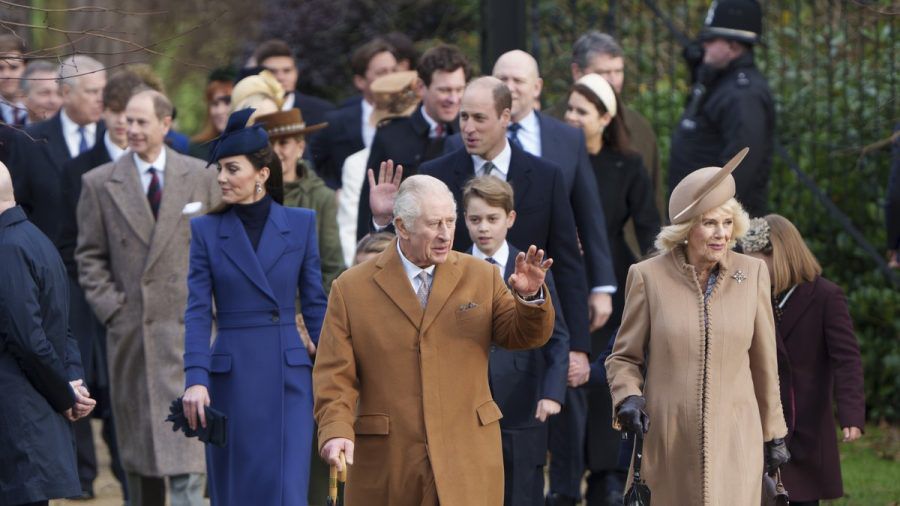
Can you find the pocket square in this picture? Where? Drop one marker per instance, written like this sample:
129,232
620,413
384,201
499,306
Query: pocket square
192,207
467,306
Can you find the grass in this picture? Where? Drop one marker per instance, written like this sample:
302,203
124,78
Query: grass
871,469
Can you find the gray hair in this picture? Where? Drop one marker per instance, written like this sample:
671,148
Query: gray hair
594,43
76,66
37,67
413,191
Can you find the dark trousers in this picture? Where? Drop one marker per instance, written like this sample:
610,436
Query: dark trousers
524,453
566,445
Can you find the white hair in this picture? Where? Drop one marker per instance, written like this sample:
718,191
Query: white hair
413,192
76,66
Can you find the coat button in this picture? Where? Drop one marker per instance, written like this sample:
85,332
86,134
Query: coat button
275,317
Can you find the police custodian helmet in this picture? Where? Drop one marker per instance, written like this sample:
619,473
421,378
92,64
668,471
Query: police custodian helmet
739,20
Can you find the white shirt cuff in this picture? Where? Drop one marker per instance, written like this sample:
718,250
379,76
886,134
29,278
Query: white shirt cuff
604,289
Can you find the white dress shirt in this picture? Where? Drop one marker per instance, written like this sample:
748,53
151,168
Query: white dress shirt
288,101
368,130
530,134
13,111
115,152
413,270
500,256
432,124
73,136
501,163
159,164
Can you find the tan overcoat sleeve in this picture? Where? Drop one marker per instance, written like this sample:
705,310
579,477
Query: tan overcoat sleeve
92,256
335,381
518,325
624,367
764,362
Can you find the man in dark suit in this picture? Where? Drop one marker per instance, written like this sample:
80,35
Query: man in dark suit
349,127
90,332
36,166
276,56
542,204
528,385
420,137
38,362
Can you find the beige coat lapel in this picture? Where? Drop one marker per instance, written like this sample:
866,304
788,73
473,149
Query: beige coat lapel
176,191
125,189
393,281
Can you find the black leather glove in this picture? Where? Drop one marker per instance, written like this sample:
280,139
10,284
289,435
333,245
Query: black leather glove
776,454
631,415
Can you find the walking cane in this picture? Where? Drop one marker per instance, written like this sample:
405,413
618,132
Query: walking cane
336,483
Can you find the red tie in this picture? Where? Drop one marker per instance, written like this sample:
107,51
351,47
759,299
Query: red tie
154,193
438,130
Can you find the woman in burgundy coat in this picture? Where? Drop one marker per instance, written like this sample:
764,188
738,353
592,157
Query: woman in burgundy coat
818,360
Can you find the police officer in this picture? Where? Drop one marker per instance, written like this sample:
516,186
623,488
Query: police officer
730,106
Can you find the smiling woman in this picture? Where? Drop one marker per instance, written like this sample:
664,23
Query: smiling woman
694,364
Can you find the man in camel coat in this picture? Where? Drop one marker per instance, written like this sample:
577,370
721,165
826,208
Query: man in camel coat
400,380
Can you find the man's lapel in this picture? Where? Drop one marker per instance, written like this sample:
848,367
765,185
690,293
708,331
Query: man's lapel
519,173
391,278
446,277
125,189
175,194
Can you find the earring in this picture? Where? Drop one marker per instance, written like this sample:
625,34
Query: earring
258,187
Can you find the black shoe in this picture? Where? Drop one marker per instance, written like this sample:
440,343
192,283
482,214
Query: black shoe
555,499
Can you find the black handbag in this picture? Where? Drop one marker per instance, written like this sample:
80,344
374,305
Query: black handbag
638,493
773,491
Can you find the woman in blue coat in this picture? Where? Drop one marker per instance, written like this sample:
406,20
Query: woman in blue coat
249,258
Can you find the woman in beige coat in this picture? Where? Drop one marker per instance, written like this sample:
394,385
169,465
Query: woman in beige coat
694,363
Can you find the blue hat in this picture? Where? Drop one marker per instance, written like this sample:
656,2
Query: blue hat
238,138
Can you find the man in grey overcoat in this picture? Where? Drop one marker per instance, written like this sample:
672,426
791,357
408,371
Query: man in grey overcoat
132,254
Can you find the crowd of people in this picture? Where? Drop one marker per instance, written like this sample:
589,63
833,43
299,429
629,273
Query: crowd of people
438,283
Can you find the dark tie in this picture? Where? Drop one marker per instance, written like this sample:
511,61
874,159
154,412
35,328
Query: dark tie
438,131
82,144
21,116
154,192
487,167
512,131
491,260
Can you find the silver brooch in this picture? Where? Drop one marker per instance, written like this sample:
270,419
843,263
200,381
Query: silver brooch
739,276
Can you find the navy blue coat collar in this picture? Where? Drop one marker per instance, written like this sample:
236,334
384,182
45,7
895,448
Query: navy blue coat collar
12,216
272,245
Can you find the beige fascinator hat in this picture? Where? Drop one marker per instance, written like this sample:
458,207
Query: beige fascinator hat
703,189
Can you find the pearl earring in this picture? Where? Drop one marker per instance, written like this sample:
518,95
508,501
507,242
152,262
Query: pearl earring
258,187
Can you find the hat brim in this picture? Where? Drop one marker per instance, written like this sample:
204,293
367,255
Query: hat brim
294,130
379,115
714,32
712,183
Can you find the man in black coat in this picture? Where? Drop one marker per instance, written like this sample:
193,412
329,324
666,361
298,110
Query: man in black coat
542,202
276,56
349,127
420,137
730,107
40,367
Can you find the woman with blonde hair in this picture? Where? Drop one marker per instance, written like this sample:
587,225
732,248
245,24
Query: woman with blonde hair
694,364
820,361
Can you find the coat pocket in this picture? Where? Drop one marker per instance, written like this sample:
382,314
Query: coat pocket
220,363
372,425
488,413
297,357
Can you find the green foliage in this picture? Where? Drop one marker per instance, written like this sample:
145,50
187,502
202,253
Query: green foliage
832,69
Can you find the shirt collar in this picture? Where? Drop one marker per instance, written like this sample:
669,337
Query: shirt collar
530,122
367,109
289,99
412,270
432,124
159,164
70,128
114,151
500,257
501,161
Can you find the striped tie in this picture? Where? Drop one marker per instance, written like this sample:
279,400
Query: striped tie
154,193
